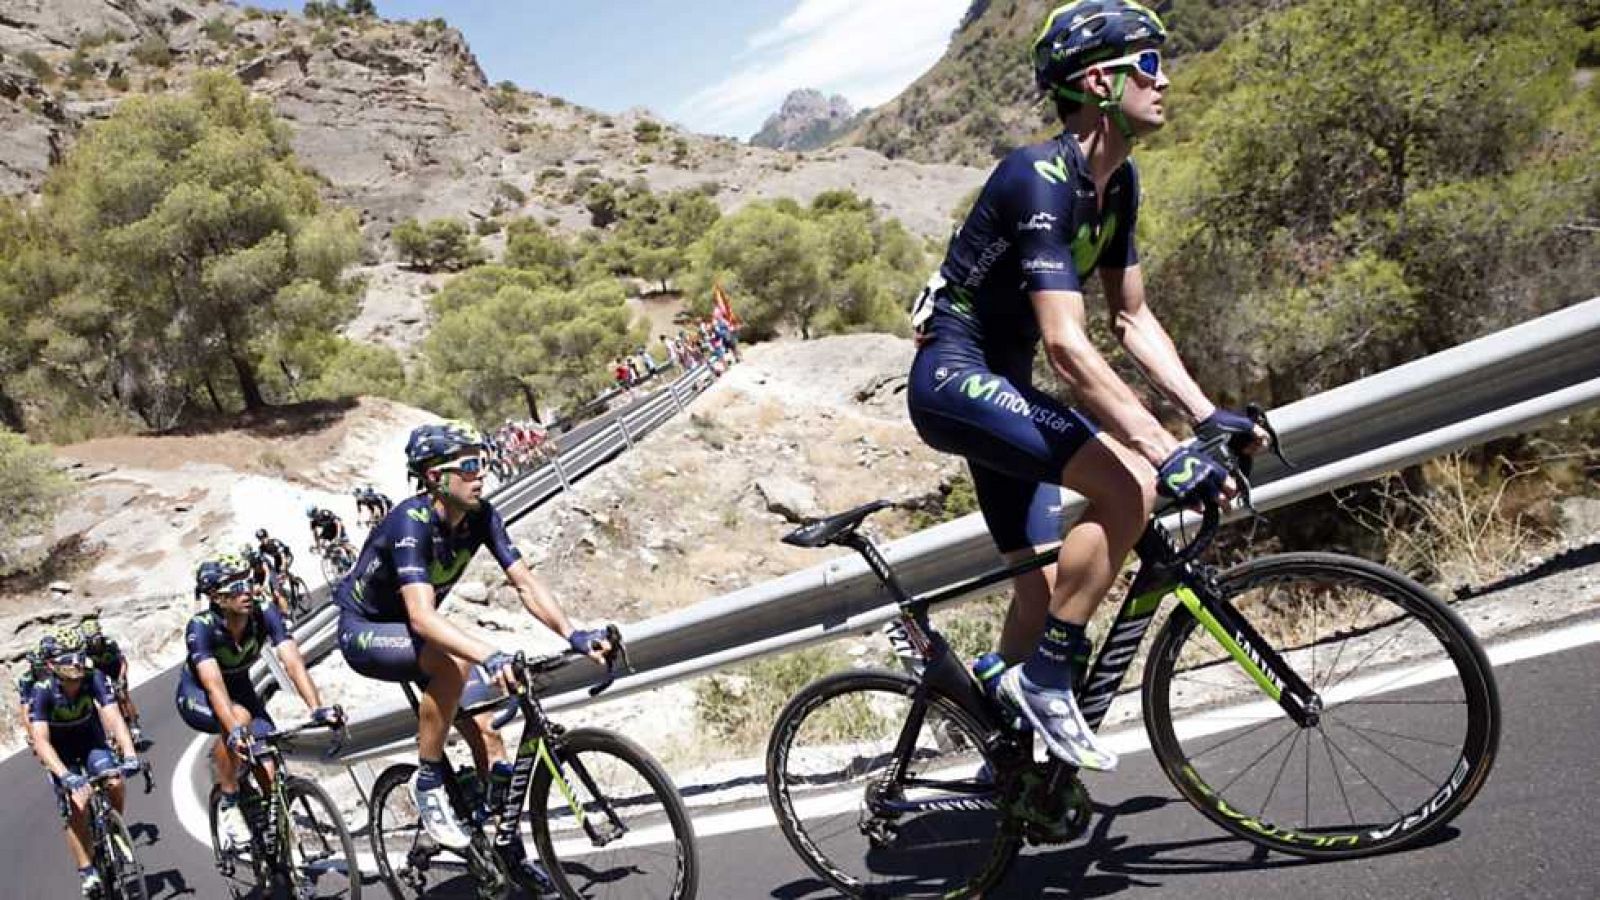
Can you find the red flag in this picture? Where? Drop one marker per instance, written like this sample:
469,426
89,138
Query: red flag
721,308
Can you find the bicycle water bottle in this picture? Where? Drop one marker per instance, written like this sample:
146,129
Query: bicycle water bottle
467,780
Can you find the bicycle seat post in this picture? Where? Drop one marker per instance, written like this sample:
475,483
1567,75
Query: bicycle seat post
875,561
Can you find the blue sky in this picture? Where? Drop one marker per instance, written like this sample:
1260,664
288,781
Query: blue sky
714,66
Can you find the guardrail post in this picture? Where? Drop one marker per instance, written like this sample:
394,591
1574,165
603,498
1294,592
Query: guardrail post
677,401
561,474
622,424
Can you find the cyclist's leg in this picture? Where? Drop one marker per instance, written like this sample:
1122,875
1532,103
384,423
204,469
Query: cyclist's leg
488,747
1023,517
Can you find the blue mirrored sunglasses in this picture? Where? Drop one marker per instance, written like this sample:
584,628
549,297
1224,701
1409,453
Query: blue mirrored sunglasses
472,465
1147,62
241,586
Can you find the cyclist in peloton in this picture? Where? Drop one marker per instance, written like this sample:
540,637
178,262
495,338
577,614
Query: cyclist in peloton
214,693
389,623
109,661
269,589
33,671
372,503
275,552
326,528
70,714
1012,277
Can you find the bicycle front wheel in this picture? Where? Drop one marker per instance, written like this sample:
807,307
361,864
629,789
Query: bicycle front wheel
320,854
119,868
299,597
932,829
1410,718
615,825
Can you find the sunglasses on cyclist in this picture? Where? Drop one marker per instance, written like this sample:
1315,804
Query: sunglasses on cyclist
70,665
1146,62
235,588
472,465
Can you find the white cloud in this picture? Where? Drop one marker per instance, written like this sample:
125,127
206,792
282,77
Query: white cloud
867,50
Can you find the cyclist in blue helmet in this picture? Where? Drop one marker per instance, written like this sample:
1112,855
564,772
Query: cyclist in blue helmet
73,723
1049,215
389,624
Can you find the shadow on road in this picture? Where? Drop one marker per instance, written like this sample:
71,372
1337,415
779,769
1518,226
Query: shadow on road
1111,859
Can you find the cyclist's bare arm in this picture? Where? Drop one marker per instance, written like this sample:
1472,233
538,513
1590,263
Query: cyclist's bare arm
1143,336
115,725
45,750
1094,384
217,692
294,665
541,604
423,612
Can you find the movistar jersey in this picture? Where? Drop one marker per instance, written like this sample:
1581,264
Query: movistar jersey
1037,225
208,638
32,673
414,545
73,720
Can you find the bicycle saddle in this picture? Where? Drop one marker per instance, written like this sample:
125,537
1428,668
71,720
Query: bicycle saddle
829,530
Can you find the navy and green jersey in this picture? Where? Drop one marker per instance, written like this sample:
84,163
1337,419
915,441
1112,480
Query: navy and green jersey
415,545
1038,225
107,658
32,673
207,637
73,720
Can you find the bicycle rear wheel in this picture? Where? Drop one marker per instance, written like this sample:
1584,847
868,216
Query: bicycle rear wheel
119,867
410,864
1408,730
855,823
615,826
320,853
299,597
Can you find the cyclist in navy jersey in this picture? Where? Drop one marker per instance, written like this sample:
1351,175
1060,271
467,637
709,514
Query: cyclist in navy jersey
1012,278
389,625
214,692
72,721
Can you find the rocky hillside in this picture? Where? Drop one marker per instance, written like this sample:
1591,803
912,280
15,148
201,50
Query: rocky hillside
398,117
806,121
979,101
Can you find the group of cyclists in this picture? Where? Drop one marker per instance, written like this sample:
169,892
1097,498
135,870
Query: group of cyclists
1049,215
516,446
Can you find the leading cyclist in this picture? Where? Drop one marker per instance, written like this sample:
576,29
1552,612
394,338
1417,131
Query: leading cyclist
1050,214
389,625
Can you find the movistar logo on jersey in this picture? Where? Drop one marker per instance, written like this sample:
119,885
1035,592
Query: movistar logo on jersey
364,640
980,388
1053,170
72,710
1191,468
439,574
419,514
1087,245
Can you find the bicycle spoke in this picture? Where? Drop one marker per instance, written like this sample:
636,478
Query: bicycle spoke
1385,751
1365,778
1273,789
1252,764
1333,766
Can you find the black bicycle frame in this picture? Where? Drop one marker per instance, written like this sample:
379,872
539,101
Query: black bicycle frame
1162,572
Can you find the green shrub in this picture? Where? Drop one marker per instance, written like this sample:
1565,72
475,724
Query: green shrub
153,51
220,31
511,192
79,66
440,245
647,131
117,82
739,705
32,489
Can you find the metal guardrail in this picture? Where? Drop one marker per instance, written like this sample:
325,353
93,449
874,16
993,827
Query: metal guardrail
585,449
1504,383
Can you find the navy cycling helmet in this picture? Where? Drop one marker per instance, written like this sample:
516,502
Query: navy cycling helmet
432,444
1077,35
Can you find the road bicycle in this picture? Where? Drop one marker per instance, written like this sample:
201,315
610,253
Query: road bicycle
121,876
1311,703
299,595
604,818
124,698
299,845
337,558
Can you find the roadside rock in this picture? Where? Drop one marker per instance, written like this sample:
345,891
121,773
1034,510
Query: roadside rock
788,498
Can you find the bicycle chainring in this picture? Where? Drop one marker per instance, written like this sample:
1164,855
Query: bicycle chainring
1043,816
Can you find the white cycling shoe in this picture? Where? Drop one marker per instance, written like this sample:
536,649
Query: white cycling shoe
438,820
232,829
1055,716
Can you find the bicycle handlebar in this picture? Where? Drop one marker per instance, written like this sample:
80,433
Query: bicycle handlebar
1228,451
114,774
616,657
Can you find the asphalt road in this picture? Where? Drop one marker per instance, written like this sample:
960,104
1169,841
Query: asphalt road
1527,835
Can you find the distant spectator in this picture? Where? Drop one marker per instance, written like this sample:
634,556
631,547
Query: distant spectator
728,334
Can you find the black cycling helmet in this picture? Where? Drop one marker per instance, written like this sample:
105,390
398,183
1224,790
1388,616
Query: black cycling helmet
261,534
431,444
1080,34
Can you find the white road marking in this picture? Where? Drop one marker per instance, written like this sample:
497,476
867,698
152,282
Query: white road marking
192,812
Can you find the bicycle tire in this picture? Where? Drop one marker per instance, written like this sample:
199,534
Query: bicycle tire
652,803
120,871
1405,648
330,571
956,740
227,863
299,596
301,795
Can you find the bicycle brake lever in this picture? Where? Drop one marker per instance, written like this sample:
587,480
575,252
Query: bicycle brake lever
1274,444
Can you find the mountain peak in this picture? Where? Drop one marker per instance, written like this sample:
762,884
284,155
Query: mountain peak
806,121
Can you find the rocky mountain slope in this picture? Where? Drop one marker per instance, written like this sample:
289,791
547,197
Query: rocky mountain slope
398,117
979,100
806,121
